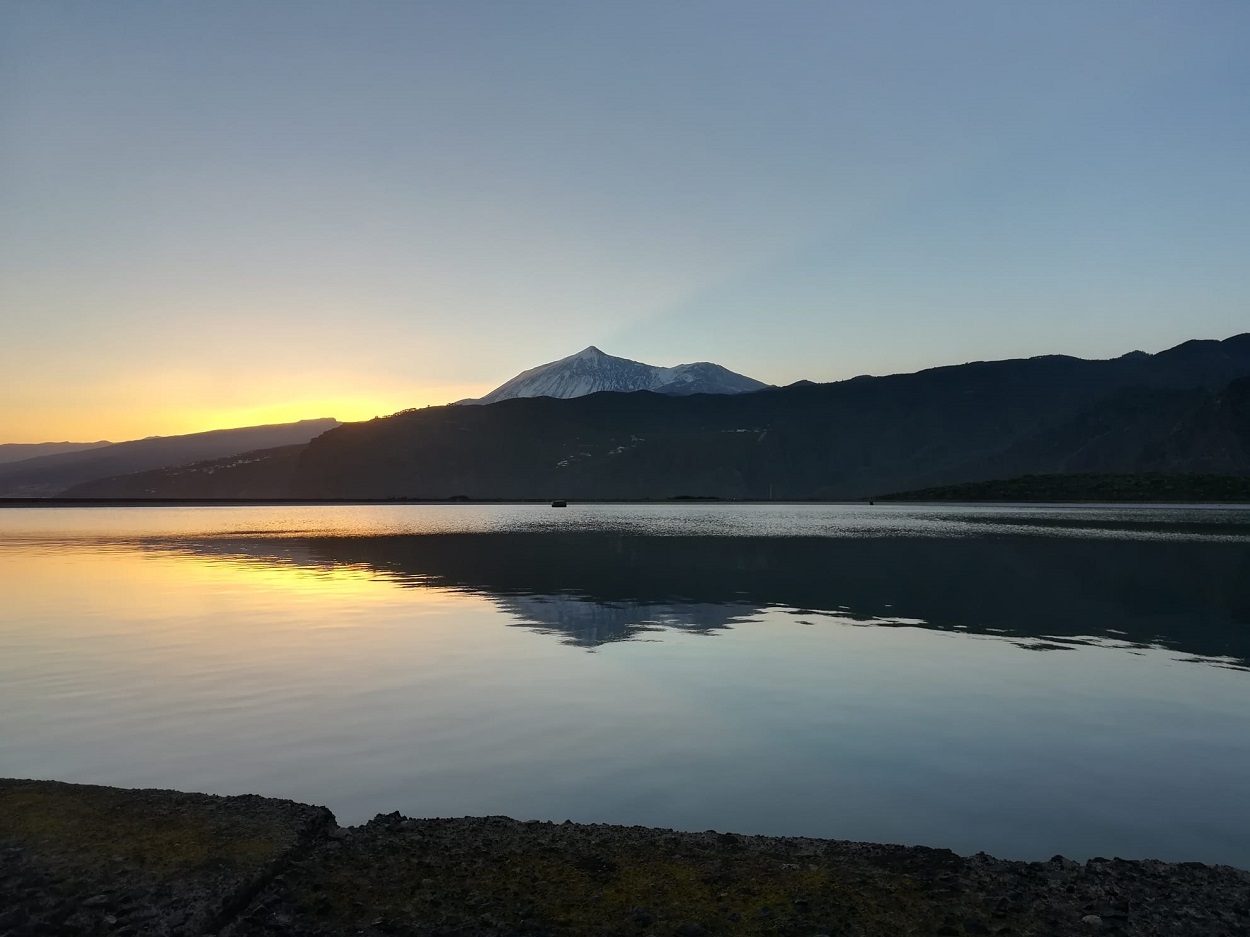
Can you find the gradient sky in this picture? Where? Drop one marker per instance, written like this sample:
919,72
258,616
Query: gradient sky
218,214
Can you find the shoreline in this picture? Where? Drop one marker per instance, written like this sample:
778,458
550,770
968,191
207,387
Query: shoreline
83,859
662,502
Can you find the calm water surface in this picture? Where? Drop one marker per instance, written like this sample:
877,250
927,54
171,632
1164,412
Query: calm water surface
1023,681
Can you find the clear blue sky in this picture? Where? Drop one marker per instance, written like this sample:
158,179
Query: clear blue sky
217,213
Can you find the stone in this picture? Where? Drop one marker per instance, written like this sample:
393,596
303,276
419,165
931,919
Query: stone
155,860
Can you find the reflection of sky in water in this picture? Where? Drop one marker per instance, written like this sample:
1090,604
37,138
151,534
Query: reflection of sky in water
855,687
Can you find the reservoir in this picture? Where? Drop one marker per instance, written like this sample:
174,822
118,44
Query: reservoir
1024,680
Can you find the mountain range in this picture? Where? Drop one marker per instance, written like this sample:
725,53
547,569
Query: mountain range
1186,409
45,476
20,451
591,371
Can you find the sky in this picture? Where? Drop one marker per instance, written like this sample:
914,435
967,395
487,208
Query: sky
226,213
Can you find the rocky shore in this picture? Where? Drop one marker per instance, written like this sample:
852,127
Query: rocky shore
84,860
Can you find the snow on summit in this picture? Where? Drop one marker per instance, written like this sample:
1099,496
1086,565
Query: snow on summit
591,371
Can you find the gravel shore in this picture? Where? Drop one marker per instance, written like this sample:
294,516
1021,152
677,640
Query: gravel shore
84,860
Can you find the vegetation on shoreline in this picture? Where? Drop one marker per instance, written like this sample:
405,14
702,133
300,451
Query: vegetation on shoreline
1144,486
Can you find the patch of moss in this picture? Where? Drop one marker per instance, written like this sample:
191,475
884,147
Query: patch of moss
84,825
621,891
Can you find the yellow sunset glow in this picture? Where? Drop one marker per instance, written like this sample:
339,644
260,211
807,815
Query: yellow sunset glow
151,582
169,412
168,621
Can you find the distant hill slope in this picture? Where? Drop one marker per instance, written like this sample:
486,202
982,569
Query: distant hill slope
1144,487
591,371
1186,409
262,473
19,451
50,475
1139,429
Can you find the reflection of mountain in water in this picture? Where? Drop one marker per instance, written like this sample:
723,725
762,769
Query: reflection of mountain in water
1189,595
589,623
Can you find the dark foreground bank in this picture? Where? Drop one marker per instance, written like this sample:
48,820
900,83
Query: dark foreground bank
78,859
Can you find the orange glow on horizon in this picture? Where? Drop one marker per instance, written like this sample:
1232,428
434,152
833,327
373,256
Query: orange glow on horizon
160,415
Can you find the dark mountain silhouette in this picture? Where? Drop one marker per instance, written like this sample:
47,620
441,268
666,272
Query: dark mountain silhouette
1186,409
49,475
1141,429
851,439
263,473
18,451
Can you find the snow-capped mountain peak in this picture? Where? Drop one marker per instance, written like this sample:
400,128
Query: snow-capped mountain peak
591,370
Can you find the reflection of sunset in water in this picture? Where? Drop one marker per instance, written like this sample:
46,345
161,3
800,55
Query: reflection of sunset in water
158,583
169,624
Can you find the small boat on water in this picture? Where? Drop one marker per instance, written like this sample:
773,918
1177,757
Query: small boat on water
559,504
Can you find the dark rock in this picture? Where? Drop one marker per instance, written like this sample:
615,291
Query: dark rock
494,877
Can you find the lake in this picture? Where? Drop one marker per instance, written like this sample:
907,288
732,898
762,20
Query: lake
1020,680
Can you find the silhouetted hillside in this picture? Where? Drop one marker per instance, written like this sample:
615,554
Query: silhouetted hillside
262,473
1186,409
851,439
50,475
1139,429
11,452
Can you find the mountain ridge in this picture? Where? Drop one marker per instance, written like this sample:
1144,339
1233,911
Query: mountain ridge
1184,409
49,475
592,371
850,439
11,452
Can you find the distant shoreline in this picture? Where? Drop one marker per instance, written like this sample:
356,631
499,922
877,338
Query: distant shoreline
330,502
